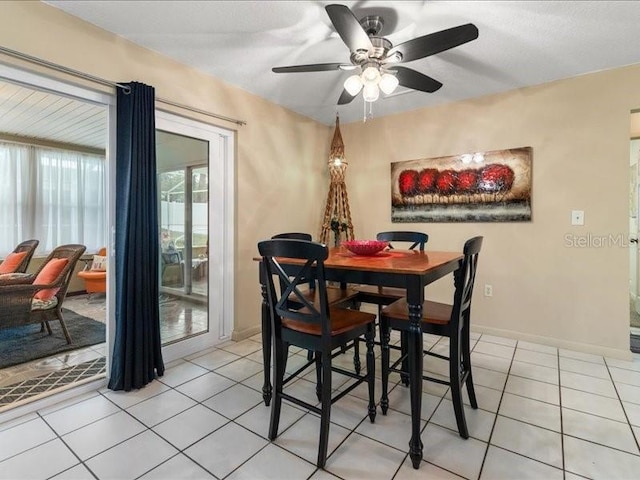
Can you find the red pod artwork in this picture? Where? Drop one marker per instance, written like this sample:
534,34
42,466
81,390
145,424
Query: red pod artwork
408,182
477,187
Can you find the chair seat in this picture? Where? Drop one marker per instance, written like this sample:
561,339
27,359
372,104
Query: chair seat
335,295
92,274
37,304
432,312
95,281
16,278
342,320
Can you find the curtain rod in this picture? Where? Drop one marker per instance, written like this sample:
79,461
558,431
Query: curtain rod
108,83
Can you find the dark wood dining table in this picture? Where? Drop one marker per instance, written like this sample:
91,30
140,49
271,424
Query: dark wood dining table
408,269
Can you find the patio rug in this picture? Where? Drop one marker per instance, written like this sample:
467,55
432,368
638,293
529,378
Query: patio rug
25,343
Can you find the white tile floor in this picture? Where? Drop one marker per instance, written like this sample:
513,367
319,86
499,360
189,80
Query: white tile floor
544,413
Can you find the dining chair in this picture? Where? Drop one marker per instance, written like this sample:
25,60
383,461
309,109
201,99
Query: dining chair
314,326
386,295
335,295
452,321
381,296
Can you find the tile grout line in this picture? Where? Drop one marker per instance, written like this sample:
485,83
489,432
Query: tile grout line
236,382
59,437
624,410
495,420
564,466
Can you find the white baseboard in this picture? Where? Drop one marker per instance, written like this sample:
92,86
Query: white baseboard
557,342
238,335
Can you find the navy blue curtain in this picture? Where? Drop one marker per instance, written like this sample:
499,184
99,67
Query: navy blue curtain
137,355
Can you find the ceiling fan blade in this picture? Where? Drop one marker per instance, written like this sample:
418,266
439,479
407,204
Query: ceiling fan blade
435,42
348,27
346,97
314,67
416,80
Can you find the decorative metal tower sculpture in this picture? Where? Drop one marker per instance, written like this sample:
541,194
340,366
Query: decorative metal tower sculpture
337,217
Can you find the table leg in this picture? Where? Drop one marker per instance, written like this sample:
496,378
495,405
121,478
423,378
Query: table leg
266,340
414,340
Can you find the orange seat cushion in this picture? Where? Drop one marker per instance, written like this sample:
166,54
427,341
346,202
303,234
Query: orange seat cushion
94,281
12,261
93,274
47,275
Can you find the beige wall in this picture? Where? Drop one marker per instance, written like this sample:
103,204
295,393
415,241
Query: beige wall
280,155
542,289
635,125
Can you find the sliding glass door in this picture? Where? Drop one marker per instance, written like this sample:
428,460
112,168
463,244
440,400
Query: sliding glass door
194,258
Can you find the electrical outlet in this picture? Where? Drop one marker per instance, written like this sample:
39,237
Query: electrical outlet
488,291
577,217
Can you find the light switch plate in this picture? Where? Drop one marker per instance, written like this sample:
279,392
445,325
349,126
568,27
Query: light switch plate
577,217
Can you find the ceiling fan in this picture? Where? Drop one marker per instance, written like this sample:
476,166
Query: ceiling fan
375,58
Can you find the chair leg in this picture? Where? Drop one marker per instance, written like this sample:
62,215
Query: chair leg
385,337
356,356
278,379
62,324
357,366
325,416
466,362
456,387
318,376
371,370
404,351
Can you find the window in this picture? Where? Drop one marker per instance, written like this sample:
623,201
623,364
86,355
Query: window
55,196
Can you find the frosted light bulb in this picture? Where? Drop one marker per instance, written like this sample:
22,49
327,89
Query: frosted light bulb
371,75
371,92
353,84
388,83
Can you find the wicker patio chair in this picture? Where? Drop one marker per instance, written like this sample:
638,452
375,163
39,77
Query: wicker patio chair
28,247
18,302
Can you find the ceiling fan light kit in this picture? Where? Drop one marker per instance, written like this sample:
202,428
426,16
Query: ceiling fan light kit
375,57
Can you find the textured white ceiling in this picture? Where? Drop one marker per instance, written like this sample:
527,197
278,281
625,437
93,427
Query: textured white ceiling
521,43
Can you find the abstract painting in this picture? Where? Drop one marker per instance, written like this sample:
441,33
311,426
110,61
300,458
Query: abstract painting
490,186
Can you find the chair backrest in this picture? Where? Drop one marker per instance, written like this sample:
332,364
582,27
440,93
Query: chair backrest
72,253
465,279
28,246
294,236
171,258
280,305
416,239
